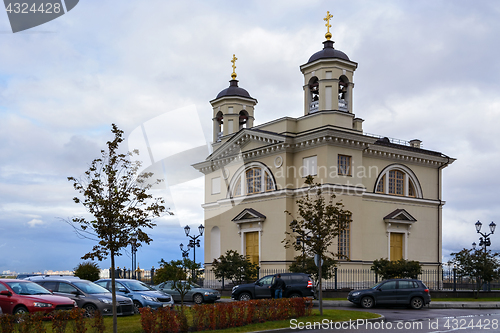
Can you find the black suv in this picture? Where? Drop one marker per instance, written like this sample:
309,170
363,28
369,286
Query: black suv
410,292
297,285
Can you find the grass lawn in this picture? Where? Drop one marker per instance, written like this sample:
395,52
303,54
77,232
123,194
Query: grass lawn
132,324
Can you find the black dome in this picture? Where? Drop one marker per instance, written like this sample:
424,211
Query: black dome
234,90
328,52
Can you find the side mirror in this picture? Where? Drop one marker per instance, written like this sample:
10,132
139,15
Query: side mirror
122,290
5,293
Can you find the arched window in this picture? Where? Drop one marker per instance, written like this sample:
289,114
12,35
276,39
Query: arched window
219,118
243,119
314,94
252,178
343,92
400,180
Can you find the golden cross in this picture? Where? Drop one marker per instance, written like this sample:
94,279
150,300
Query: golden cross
233,75
328,35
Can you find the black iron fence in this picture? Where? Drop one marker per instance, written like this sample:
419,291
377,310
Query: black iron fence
144,275
437,278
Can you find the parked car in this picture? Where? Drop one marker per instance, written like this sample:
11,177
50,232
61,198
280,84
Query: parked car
410,292
20,296
87,295
196,294
141,294
297,285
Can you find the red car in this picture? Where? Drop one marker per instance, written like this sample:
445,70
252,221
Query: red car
20,296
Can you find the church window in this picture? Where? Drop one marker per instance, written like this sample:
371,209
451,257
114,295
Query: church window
343,85
243,119
254,178
269,182
381,185
219,119
344,165
398,179
314,94
309,166
344,242
396,182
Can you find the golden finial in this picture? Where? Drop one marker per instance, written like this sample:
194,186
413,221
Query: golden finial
328,35
233,74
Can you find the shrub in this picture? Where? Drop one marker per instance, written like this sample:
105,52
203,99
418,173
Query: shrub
88,271
7,323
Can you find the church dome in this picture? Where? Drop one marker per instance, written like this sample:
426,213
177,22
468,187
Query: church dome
234,90
328,52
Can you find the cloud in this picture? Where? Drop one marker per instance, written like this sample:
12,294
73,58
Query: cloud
34,222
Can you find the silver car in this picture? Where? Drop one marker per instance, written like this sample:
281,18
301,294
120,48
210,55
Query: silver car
196,294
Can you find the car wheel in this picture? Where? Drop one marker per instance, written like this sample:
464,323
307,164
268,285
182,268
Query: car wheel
295,295
367,302
20,310
89,310
416,303
137,306
245,297
198,298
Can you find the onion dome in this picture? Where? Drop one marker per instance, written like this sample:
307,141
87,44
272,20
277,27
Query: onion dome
328,52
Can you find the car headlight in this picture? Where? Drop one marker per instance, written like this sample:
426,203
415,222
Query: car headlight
356,293
106,300
207,293
151,299
42,305
234,288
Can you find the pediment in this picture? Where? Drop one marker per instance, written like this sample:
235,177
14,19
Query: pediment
399,216
246,140
249,215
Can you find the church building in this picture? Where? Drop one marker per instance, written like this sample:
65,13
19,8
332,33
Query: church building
257,172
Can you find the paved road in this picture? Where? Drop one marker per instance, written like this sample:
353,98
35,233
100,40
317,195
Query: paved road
426,320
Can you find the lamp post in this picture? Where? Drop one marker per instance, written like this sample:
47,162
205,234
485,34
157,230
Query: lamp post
484,241
194,241
133,242
185,253
302,238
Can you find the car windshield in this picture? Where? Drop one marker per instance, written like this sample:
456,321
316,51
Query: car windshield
136,285
27,288
376,286
90,288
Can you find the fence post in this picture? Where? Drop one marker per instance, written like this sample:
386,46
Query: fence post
454,279
335,276
222,282
152,275
376,278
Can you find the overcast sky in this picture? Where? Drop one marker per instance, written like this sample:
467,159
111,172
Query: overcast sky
427,69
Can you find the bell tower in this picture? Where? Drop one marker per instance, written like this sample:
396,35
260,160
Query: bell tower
328,78
233,109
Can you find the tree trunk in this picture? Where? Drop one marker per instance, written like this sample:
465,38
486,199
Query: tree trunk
320,287
113,291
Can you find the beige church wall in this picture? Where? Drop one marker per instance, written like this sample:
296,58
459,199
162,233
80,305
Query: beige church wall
320,119
281,125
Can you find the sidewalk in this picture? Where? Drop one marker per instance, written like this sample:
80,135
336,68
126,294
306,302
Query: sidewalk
433,305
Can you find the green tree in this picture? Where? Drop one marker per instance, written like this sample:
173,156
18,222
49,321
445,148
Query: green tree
234,267
177,272
401,268
479,265
117,200
323,219
88,271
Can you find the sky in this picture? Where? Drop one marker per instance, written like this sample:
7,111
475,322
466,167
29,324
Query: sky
426,69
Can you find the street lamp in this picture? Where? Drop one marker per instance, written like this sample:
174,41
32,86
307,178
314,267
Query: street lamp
304,236
194,241
185,253
133,242
485,240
